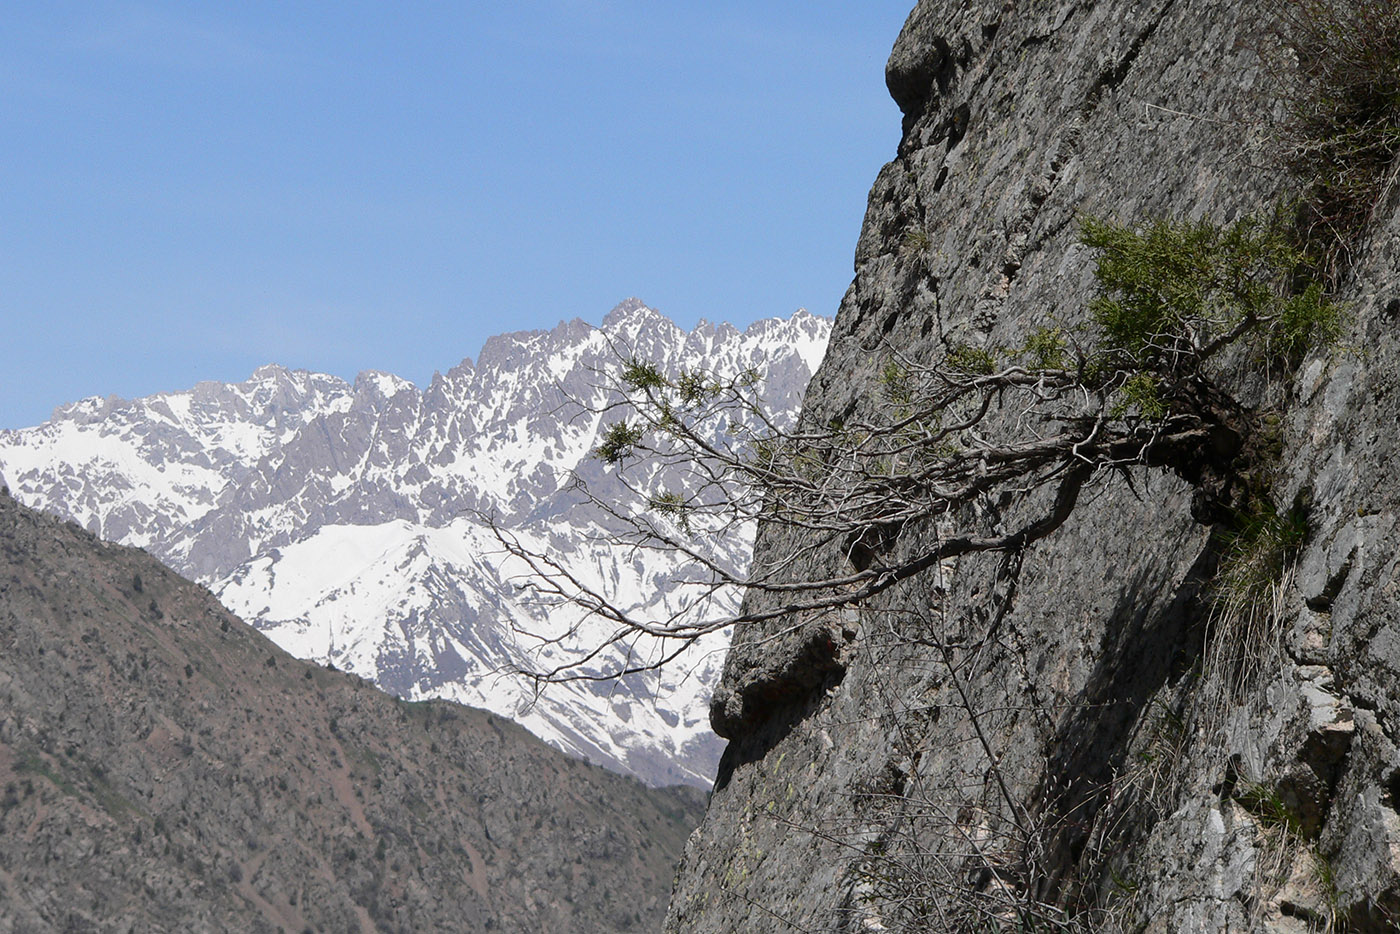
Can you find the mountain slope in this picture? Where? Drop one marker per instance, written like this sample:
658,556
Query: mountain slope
164,767
342,519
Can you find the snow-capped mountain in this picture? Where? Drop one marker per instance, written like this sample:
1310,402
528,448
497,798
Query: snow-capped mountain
341,519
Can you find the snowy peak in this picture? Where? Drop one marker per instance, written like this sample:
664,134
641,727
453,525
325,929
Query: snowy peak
379,385
336,516
625,310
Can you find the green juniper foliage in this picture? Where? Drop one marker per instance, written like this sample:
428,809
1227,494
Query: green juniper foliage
975,361
1175,293
619,441
668,400
1171,296
674,506
642,375
1140,393
695,388
1046,349
898,385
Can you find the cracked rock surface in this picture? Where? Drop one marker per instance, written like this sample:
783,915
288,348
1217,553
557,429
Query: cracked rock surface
1071,725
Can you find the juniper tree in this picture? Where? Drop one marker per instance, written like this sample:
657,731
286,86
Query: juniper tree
1138,381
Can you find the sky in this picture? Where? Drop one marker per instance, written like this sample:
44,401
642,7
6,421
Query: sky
191,190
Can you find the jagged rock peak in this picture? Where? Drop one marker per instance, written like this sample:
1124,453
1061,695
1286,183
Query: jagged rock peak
335,516
627,309
380,383
90,409
272,371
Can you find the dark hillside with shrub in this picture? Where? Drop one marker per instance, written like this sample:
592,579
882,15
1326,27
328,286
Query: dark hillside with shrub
164,767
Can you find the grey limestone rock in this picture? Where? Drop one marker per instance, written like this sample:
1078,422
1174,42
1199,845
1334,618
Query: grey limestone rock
1075,726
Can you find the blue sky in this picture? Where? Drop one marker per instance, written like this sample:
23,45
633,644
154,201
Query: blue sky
188,191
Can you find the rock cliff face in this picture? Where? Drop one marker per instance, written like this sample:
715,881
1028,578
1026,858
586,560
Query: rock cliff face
164,767
1074,735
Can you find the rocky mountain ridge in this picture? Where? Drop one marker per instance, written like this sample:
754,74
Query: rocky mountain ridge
344,519
165,767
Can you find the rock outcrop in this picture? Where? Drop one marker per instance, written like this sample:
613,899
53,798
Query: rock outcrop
164,767
1076,736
